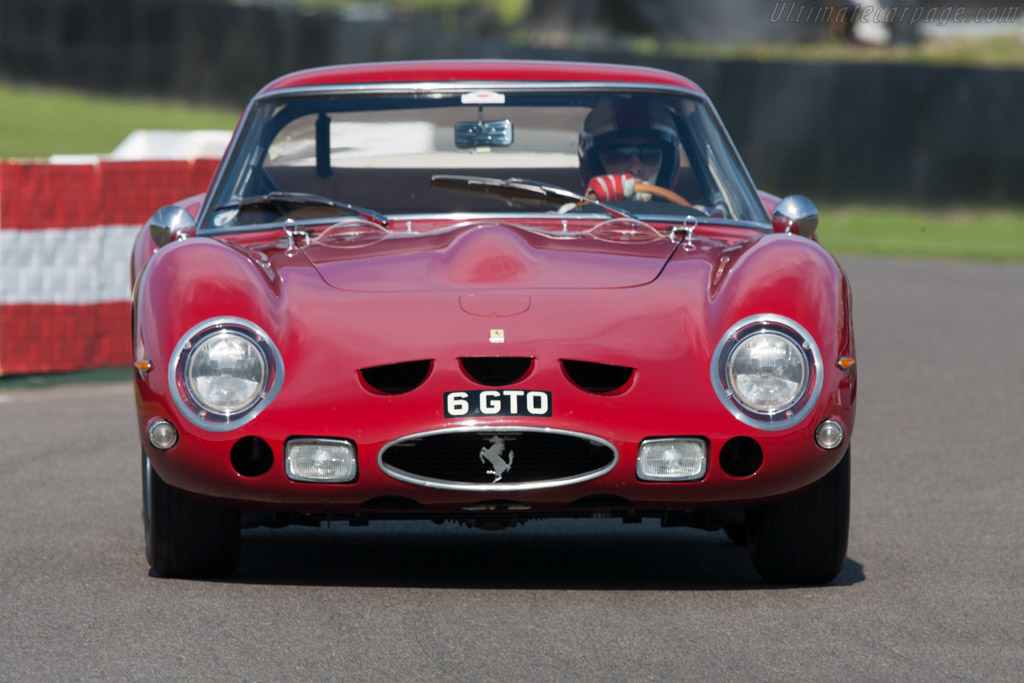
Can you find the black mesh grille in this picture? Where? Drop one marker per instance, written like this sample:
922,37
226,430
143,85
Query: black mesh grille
597,378
520,457
397,378
496,371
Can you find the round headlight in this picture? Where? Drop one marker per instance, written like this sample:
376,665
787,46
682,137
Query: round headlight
767,372
226,372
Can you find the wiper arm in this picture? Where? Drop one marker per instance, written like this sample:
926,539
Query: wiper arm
273,199
521,188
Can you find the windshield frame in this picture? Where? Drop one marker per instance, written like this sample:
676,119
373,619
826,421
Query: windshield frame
225,174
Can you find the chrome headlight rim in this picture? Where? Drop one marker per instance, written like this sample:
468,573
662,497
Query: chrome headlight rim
794,411
191,406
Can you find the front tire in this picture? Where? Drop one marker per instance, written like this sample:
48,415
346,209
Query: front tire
186,537
803,539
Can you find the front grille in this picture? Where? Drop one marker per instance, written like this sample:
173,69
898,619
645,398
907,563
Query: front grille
496,371
497,459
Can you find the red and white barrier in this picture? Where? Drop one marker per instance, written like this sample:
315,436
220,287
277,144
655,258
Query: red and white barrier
66,234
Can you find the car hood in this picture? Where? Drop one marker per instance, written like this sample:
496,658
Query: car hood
488,255
474,291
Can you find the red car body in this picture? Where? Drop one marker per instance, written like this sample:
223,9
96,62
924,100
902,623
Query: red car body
580,325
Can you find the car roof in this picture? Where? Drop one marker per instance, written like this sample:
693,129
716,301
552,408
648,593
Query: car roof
486,70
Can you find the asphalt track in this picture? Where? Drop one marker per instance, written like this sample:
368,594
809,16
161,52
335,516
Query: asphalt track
933,587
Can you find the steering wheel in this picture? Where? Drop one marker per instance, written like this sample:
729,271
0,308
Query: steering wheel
662,192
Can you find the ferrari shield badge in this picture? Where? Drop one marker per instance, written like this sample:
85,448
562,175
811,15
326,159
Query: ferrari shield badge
492,454
497,336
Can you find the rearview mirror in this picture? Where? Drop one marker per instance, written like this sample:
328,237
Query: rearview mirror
795,214
483,134
171,223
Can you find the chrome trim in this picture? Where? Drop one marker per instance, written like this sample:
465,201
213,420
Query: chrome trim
825,423
795,211
291,231
429,482
772,421
451,87
153,424
196,414
170,223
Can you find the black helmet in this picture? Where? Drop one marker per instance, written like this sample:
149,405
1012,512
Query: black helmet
613,119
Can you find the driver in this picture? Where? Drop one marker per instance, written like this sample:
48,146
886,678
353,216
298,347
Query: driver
629,149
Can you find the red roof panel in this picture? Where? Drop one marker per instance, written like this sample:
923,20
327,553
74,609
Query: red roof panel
478,70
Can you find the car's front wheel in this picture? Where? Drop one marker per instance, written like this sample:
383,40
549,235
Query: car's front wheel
802,540
185,536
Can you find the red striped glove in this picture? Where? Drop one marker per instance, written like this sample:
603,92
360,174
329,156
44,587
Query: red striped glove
611,188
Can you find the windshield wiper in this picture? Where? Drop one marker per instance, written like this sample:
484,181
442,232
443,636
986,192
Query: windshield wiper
276,199
522,189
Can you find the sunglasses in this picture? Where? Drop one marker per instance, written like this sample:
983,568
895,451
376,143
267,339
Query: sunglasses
648,154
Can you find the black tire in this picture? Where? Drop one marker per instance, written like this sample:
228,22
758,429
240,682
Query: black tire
802,540
186,537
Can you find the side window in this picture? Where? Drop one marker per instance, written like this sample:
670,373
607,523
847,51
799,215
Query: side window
294,145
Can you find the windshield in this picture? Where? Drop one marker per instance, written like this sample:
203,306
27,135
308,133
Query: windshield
385,153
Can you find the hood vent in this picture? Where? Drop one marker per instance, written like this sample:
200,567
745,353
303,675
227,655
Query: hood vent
597,378
496,371
397,378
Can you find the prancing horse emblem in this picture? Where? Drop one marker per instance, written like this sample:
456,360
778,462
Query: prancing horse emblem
492,454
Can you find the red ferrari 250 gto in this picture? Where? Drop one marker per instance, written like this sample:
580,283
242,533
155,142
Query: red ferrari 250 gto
488,292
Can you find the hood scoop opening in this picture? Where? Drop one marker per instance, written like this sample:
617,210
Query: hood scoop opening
598,378
496,371
396,378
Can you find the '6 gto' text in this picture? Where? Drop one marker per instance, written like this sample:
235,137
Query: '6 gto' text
492,402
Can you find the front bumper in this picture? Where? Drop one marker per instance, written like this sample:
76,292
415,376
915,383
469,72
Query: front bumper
741,468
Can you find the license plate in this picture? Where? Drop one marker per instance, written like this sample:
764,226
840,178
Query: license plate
497,403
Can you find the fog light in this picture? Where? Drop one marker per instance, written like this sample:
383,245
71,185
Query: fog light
671,460
320,460
162,434
829,434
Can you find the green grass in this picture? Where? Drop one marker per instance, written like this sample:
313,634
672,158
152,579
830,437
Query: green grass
969,233
37,122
